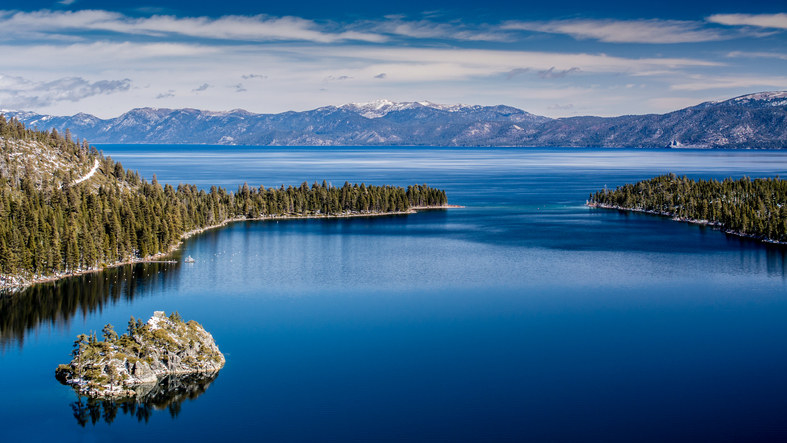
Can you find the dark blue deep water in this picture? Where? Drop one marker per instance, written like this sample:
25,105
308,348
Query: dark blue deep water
524,316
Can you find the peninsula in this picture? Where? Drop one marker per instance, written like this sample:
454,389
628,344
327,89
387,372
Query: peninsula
745,207
66,209
133,363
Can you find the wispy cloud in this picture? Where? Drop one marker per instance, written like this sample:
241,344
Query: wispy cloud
755,54
248,28
772,21
429,29
18,92
515,72
624,31
440,63
552,73
253,76
296,72
280,63
751,83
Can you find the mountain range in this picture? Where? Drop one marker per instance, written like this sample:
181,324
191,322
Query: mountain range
751,121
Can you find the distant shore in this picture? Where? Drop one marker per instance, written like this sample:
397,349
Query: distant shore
713,224
16,283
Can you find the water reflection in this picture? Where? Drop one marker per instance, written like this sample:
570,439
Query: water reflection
168,394
58,302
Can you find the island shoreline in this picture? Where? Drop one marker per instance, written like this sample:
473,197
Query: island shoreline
6,288
713,224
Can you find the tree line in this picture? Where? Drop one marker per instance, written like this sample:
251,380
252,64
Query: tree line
54,227
755,207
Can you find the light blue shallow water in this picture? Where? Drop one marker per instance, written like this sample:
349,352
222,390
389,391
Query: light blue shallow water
524,315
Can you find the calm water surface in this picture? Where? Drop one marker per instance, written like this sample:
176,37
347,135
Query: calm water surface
523,316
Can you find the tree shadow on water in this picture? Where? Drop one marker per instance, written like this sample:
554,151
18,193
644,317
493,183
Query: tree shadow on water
168,394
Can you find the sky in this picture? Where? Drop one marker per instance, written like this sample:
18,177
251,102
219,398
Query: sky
552,58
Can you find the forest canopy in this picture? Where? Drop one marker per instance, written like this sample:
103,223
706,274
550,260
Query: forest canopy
749,207
52,224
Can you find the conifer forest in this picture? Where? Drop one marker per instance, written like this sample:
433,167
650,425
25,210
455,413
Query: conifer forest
750,207
54,222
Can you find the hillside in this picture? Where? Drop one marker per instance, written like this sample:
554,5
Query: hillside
751,121
48,160
66,209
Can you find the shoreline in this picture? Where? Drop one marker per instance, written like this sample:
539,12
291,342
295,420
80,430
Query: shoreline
10,288
713,224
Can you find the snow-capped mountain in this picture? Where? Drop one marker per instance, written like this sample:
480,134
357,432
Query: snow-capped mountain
381,108
751,121
776,98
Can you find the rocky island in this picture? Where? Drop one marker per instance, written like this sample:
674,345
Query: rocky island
132,364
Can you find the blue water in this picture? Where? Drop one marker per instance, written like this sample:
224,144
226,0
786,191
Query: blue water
523,316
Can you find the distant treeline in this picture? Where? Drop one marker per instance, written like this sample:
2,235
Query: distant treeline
49,229
13,129
751,207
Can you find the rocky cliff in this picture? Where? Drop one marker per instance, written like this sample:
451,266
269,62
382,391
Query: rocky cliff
127,365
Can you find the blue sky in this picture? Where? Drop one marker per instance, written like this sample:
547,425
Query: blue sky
559,58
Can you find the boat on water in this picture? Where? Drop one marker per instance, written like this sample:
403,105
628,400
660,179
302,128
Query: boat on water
189,259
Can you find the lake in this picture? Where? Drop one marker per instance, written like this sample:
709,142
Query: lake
522,316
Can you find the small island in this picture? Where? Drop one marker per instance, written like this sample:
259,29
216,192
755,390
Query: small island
130,365
748,208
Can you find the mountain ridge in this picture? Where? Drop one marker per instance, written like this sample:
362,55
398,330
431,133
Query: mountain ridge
757,120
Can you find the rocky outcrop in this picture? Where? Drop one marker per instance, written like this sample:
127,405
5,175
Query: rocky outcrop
133,363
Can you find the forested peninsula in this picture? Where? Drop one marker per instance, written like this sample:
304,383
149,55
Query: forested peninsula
66,209
750,208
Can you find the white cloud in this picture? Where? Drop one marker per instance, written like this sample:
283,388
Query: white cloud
168,94
296,72
426,29
751,83
20,93
308,64
439,63
251,28
747,54
773,21
552,73
623,31
253,76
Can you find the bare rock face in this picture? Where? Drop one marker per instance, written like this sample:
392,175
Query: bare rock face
147,353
